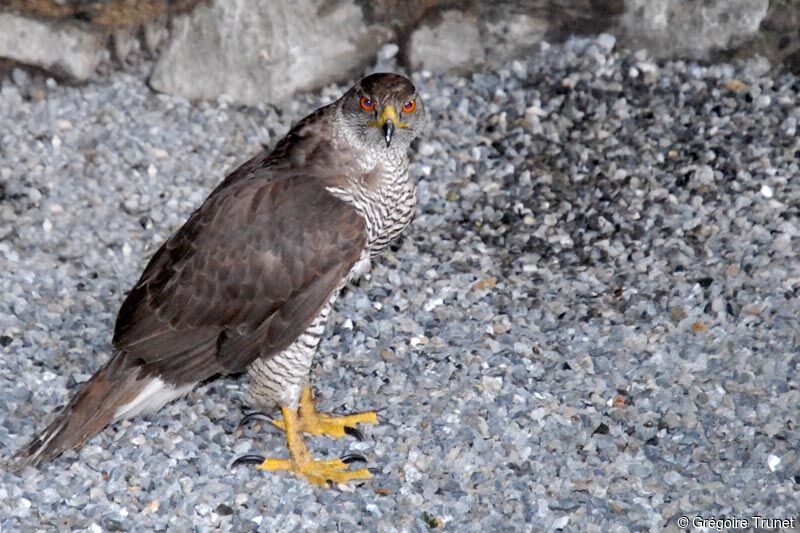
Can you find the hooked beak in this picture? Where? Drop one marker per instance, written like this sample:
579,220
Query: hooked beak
387,122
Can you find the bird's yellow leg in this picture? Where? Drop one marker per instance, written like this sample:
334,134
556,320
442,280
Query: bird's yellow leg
301,462
315,423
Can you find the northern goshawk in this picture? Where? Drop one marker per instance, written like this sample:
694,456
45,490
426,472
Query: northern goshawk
248,281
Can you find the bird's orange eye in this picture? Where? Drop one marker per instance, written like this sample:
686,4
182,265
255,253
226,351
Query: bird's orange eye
367,104
409,106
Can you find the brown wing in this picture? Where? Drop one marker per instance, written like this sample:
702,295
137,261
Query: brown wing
243,278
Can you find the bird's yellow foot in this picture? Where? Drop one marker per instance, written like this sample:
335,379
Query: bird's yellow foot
315,423
319,472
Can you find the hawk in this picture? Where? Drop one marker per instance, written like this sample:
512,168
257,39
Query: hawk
248,281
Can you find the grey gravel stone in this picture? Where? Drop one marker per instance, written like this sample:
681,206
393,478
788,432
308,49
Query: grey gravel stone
591,324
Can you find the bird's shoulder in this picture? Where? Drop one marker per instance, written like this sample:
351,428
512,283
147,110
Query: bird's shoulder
269,214
308,150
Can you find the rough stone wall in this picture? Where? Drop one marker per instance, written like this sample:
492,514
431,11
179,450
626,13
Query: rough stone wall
264,51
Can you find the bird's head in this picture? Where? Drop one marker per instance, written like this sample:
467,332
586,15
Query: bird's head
383,111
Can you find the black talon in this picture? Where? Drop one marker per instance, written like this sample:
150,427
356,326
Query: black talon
254,416
353,432
248,460
353,458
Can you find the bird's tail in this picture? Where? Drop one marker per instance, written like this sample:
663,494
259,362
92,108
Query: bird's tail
113,393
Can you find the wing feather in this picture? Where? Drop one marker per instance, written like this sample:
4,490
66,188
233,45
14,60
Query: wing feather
242,279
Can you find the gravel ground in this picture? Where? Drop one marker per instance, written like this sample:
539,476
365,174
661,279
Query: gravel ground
592,324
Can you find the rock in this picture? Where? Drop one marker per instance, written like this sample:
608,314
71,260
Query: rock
71,49
154,31
265,51
124,41
678,28
386,60
778,39
471,38
453,42
513,35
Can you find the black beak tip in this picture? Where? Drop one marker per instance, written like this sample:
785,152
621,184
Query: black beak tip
388,132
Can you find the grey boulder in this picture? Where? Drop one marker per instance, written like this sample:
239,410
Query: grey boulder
257,52
71,49
685,28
